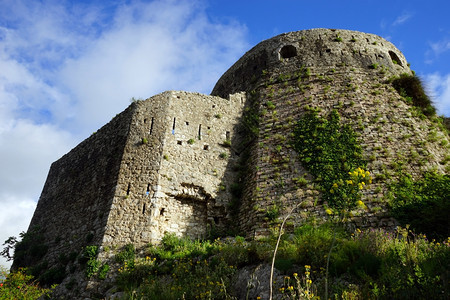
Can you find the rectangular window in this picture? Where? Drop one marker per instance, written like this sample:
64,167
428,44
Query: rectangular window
151,125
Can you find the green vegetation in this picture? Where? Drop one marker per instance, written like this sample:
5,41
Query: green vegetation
144,141
226,143
223,155
410,87
20,285
190,141
369,264
332,154
90,259
423,204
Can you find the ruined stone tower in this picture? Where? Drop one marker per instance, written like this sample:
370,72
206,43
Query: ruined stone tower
188,163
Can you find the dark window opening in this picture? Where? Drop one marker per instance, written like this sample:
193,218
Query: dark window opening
209,128
216,220
173,126
395,58
179,142
161,212
187,123
128,189
200,131
143,209
328,50
205,147
151,126
145,121
288,51
213,106
228,136
148,189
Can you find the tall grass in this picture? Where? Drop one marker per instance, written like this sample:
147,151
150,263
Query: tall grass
371,264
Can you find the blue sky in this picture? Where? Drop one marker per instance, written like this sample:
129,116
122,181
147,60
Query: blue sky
67,67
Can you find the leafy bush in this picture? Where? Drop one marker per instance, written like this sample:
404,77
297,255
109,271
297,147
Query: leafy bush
20,285
423,204
30,249
411,87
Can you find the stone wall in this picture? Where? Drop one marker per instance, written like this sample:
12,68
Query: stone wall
175,181
327,69
73,208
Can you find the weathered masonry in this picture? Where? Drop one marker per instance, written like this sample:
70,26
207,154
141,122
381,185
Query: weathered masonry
156,168
173,163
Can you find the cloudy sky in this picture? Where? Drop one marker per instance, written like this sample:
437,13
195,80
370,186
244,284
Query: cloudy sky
68,67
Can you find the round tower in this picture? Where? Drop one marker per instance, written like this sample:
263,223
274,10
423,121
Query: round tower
326,70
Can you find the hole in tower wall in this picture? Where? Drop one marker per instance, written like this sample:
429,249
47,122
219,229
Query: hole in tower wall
228,136
395,58
174,121
162,211
288,51
200,131
148,189
205,147
143,209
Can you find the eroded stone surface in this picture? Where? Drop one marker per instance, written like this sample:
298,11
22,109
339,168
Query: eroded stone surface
170,164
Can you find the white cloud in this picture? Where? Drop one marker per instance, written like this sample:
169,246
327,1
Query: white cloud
439,47
439,85
405,16
15,216
150,49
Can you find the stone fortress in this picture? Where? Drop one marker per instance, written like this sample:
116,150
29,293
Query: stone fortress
188,163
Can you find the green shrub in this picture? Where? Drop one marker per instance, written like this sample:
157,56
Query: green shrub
20,285
423,204
411,88
30,249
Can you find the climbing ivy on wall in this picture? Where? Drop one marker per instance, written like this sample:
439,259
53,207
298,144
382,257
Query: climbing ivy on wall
332,154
